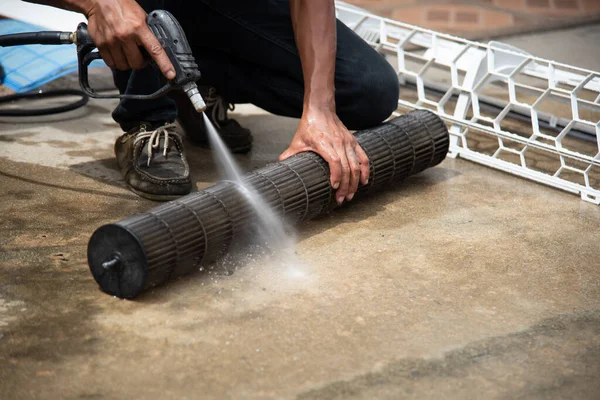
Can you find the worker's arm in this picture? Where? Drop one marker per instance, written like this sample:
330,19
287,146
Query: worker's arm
118,28
320,130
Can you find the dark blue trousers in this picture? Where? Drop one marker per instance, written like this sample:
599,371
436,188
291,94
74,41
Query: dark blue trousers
246,50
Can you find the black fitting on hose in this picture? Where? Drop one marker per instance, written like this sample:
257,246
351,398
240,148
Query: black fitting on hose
175,238
46,37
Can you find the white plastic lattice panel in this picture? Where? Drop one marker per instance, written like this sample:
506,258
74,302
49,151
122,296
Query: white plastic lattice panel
506,109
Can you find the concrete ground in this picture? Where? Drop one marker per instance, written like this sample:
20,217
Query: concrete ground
462,283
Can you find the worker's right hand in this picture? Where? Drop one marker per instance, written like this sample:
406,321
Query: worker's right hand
118,29
323,133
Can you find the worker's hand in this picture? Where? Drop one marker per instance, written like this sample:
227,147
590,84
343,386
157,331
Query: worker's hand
118,28
324,134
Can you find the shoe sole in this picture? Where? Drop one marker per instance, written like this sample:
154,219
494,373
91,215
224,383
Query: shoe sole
157,197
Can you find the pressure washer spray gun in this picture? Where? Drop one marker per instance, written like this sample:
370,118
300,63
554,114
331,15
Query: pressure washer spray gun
166,29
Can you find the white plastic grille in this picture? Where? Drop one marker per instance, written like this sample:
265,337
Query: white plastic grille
505,108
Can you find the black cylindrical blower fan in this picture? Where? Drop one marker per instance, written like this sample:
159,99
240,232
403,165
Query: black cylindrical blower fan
174,238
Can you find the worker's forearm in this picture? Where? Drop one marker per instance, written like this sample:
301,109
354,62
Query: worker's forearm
315,30
80,6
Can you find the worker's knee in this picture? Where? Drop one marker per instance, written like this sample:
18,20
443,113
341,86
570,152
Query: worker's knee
371,95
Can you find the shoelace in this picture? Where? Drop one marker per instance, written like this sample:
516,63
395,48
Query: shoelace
154,139
219,107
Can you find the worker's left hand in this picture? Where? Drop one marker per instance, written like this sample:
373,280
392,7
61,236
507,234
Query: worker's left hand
323,133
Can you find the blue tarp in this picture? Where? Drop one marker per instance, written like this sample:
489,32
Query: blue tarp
28,67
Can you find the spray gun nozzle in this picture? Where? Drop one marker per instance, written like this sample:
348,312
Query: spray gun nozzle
191,89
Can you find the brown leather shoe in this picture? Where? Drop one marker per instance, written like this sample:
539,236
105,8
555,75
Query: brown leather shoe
236,137
152,162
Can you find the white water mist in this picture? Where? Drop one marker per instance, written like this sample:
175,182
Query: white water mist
272,229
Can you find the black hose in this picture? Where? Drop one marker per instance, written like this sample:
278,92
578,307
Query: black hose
43,95
46,37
